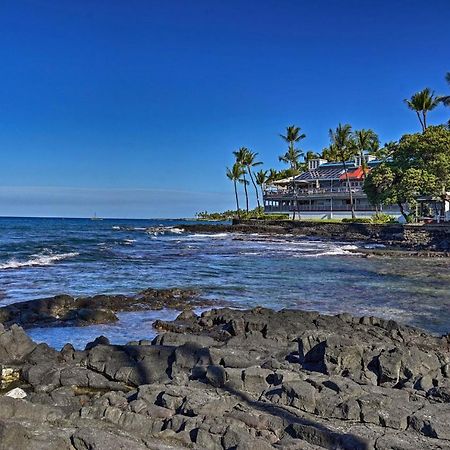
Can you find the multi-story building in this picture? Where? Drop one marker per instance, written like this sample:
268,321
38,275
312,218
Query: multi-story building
322,191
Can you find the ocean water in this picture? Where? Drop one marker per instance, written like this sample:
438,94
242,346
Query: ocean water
44,257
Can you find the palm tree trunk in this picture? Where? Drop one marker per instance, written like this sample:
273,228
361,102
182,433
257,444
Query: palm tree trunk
424,120
363,164
262,195
254,185
420,120
349,189
246,193
237,199
294,201
402,211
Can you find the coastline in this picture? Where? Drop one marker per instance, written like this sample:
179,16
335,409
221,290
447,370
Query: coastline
232,379
413,240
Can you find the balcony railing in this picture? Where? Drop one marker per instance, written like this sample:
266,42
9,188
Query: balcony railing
326,209
312,191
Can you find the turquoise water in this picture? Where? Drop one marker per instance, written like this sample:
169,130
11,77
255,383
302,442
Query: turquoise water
43,257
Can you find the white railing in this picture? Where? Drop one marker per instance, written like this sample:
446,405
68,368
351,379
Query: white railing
338,190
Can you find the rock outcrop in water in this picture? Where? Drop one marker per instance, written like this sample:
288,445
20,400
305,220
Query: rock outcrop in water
65,310
231,379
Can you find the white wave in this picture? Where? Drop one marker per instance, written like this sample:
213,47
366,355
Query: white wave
125,228
211,236
37,260
160,231
374,246
129,241
338,251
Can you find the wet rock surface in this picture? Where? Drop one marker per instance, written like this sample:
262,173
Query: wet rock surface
230,379
65,310
429,240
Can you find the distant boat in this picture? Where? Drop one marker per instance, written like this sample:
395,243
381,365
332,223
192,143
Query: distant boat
95,217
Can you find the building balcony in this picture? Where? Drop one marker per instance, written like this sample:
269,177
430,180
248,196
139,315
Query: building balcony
326,209
311,193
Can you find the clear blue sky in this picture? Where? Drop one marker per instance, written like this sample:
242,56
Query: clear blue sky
132,108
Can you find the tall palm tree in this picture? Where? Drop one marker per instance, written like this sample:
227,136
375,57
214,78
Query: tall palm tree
249,161
261,179
292,157
366,141
293,135
241,156
422,102
235,175
343,144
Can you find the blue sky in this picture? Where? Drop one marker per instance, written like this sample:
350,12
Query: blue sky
132,108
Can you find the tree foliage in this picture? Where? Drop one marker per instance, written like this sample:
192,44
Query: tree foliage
419,165
422,102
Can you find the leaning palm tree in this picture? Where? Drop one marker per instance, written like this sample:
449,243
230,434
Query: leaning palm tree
366,141
235,175
261,179
422,102
292,157
249,161
343,145
241,156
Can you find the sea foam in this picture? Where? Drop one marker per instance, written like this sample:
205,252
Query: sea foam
37,260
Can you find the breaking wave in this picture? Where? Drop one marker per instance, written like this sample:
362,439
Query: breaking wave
37,260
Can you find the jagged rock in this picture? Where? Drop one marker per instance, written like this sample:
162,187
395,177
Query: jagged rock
94,439
70,311
233,379
432,421
15,345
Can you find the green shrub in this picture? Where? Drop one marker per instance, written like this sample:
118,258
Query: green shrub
275,217
382,218
358,220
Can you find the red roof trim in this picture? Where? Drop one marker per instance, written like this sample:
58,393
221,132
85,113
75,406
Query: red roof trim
355,174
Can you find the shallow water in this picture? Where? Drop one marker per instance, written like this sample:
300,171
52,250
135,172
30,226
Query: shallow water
42,257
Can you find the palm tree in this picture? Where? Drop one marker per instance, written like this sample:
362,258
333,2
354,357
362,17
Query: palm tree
445,99
261,179
272,176
249,161
343,144
234,174
293,134
292,156
422,102
366,141
241,156
311,155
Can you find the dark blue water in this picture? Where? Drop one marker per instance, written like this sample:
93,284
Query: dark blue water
43,257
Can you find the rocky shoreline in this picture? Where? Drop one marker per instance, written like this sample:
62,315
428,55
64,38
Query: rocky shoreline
230,379
423,241
65,310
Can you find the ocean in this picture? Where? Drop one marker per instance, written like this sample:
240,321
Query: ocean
45,257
